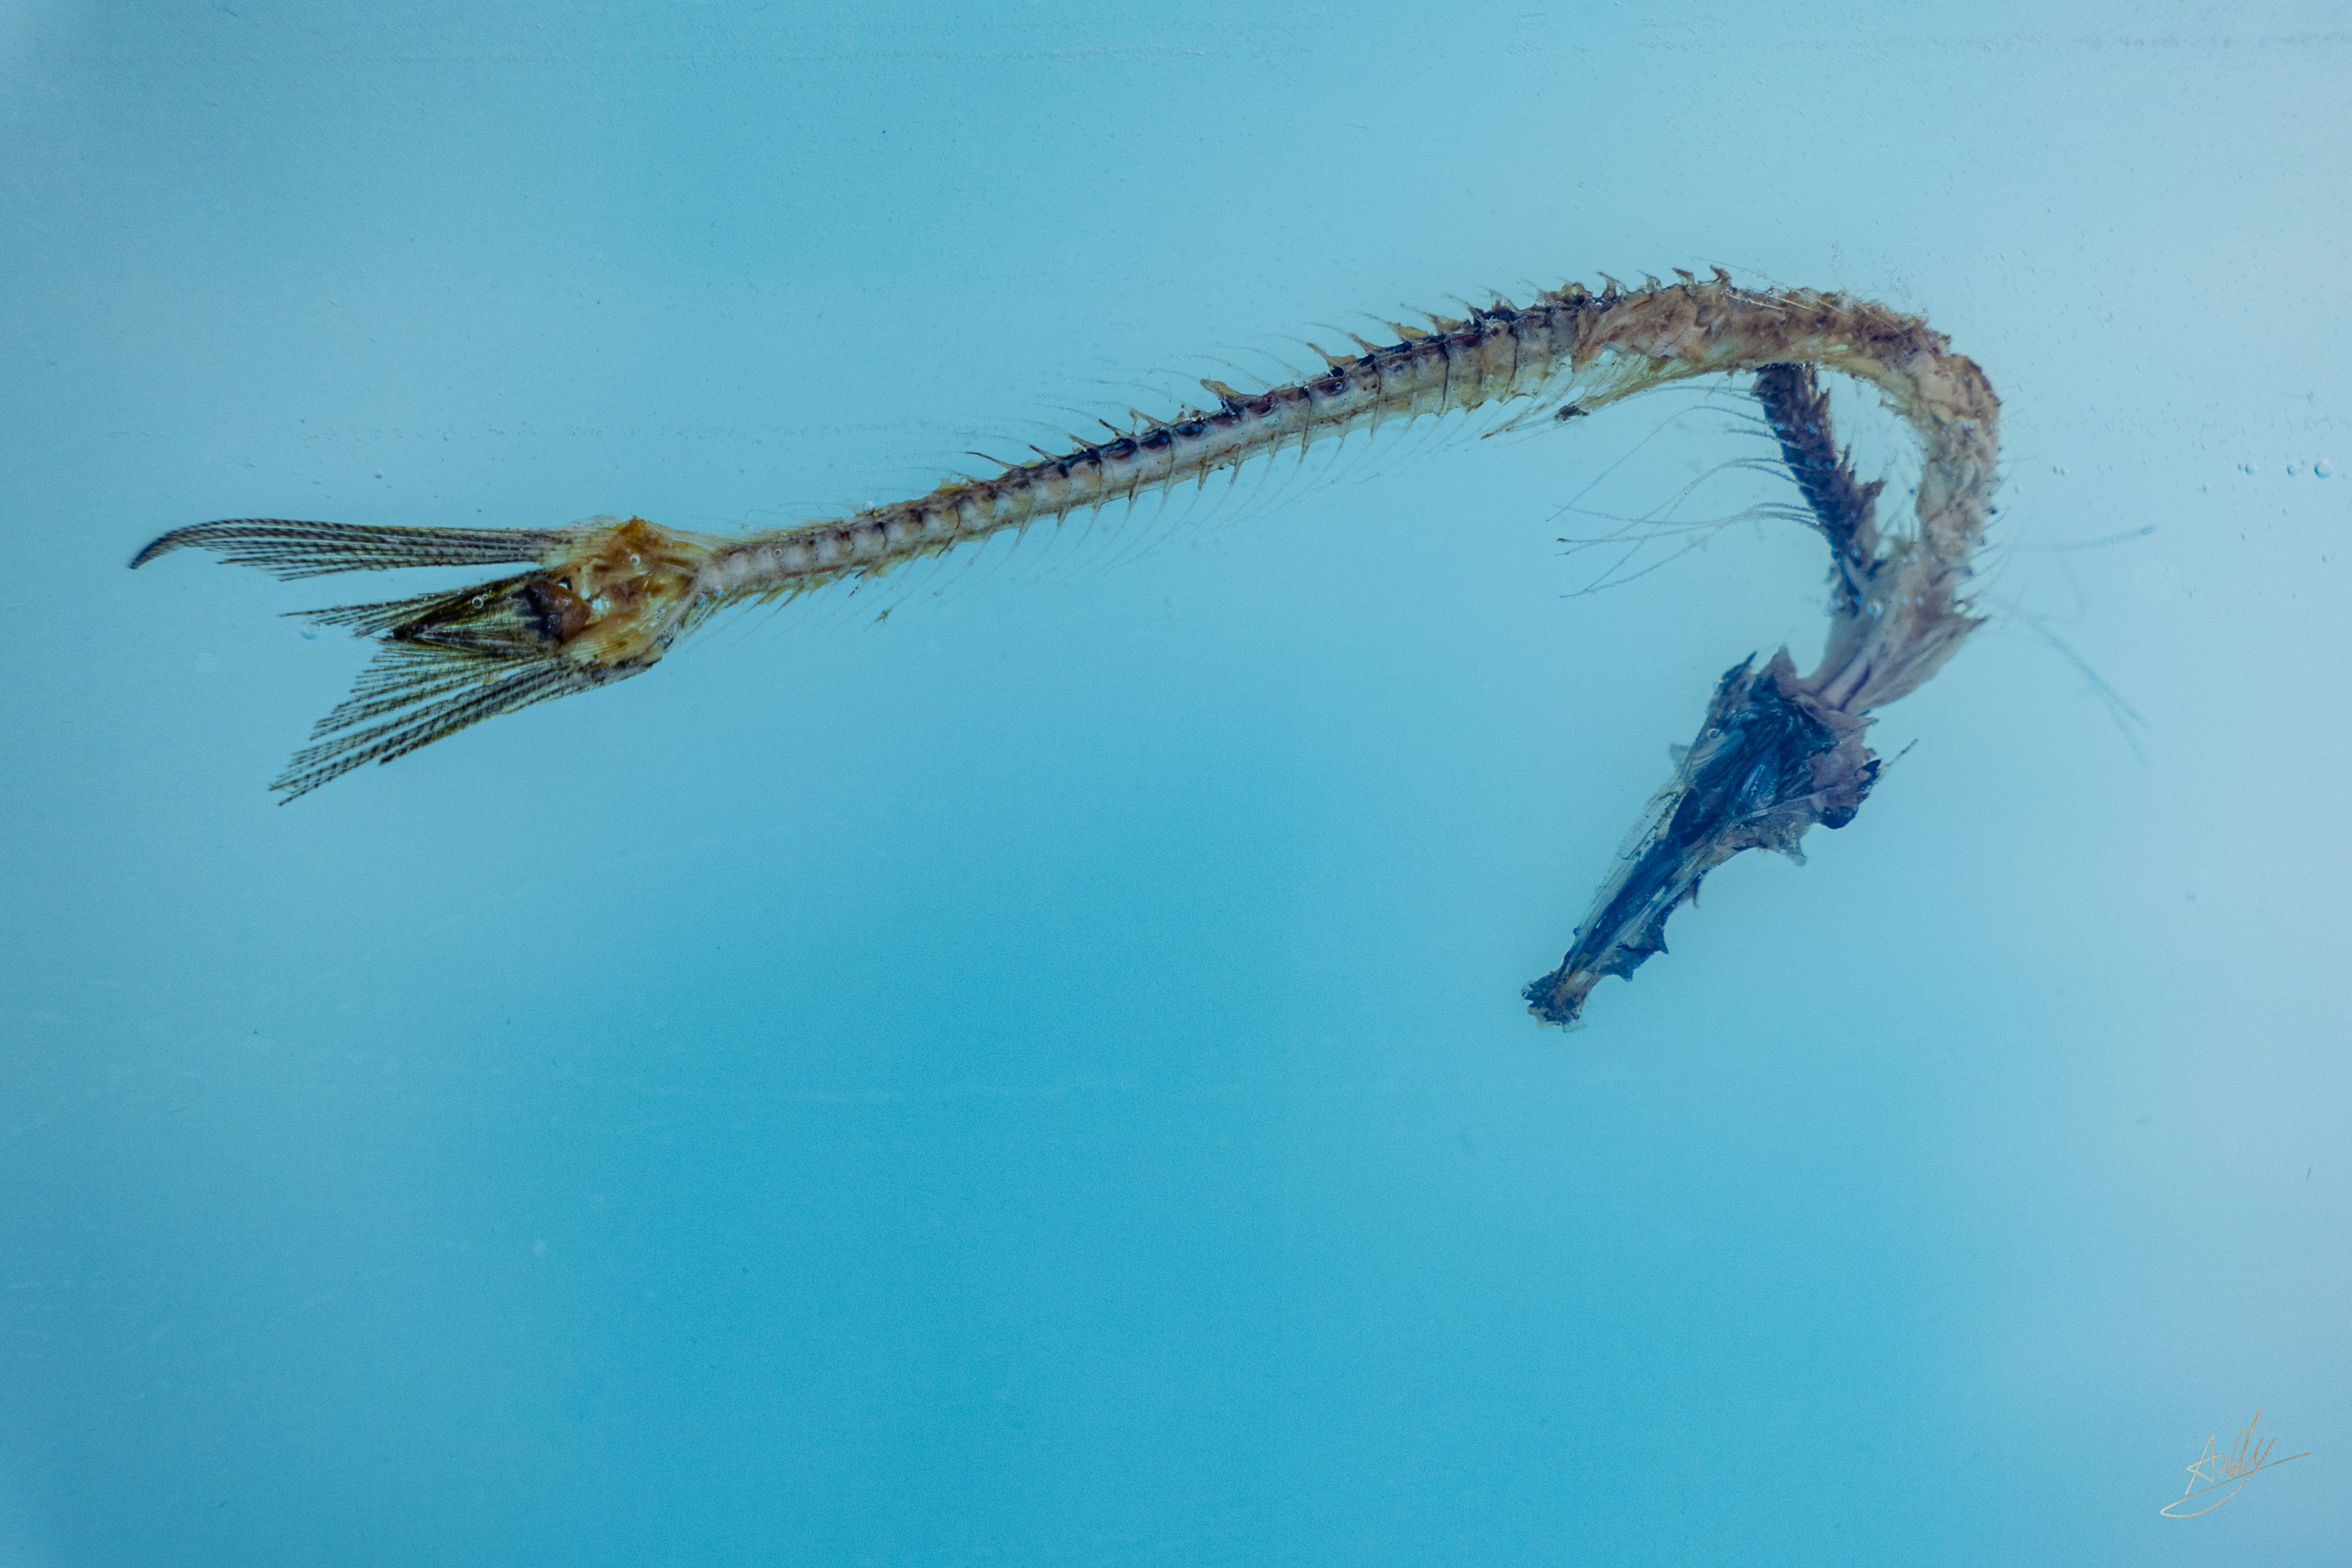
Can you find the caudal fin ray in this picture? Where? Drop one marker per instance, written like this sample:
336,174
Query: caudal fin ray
291,548
424,701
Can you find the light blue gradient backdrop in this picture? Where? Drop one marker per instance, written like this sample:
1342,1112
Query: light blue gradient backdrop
1041,1079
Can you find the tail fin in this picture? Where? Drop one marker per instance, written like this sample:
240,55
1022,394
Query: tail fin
287,549
602,601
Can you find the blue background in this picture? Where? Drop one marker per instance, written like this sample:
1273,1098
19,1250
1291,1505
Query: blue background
1041,1079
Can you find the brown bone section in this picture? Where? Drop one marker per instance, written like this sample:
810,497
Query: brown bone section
607,601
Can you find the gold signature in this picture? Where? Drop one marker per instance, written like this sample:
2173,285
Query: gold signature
2234,1470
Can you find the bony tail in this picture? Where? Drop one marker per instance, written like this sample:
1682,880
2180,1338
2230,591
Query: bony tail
600,602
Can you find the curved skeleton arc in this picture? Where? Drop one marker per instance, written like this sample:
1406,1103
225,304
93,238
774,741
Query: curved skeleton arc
1778,753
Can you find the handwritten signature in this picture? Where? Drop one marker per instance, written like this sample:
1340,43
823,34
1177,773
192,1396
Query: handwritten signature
2214,1470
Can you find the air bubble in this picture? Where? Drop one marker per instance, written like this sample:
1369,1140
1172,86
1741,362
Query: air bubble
1876,608
2323,467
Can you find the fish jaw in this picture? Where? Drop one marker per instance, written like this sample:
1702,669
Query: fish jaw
1771,761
